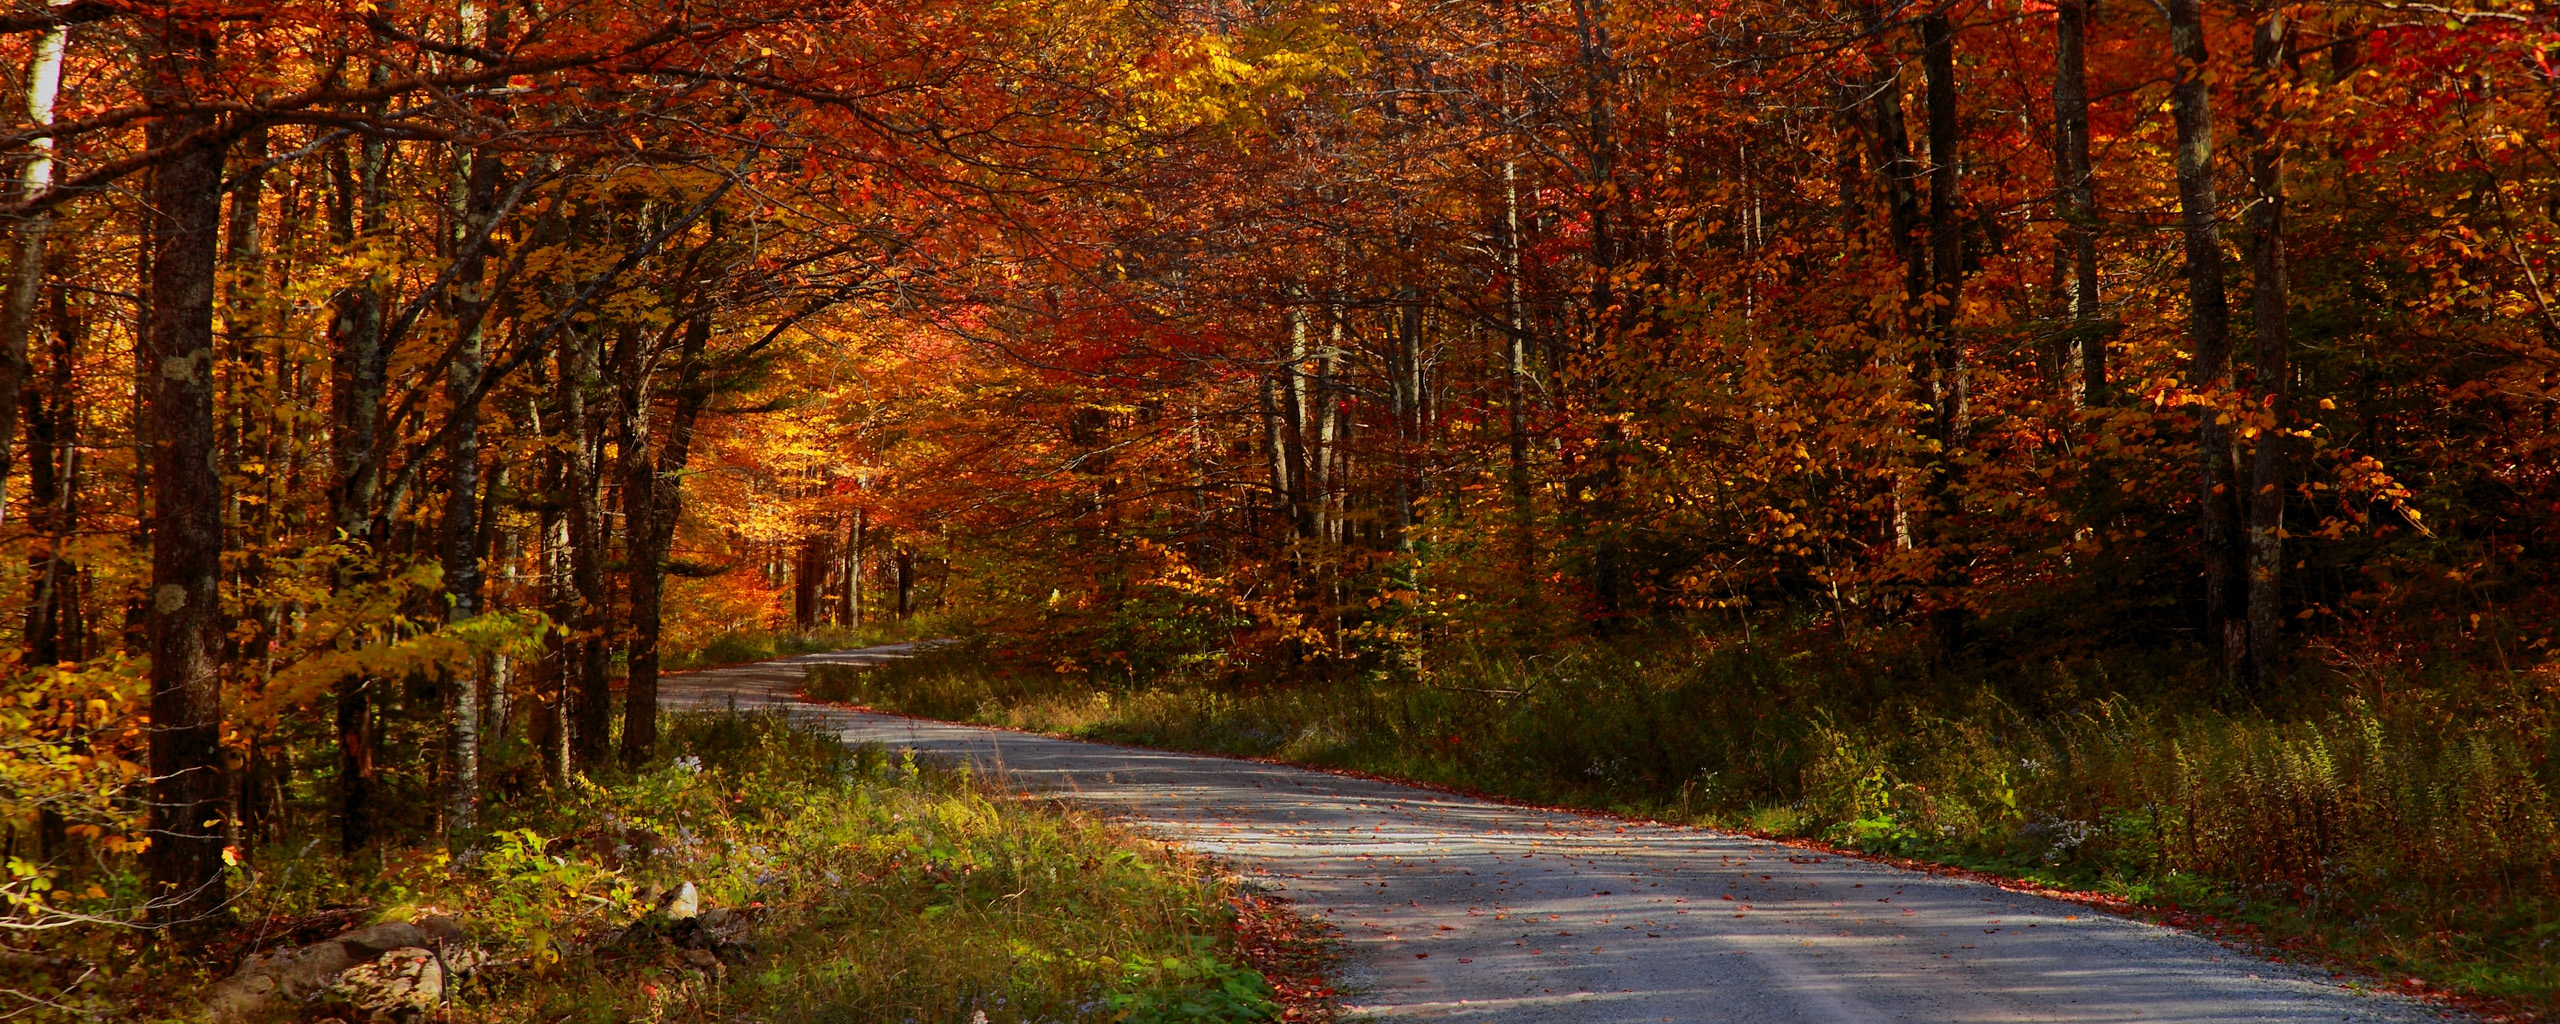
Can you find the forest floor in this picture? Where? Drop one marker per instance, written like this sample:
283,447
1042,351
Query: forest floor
1465,909
761,871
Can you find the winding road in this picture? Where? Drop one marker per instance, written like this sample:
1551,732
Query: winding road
1465,910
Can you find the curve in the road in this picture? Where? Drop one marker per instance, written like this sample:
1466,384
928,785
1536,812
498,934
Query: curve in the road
1469,910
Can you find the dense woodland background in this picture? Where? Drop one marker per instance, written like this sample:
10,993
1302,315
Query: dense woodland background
384,384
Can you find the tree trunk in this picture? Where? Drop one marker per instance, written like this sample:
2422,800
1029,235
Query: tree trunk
853,569
1410,412
1889,136
185,617
53,463
476,205
1515,396
26,253
553,675
359,367
648,497
590,651
1599,479
2269,295
906,583
2085,345
1951,372
2209,333
808,579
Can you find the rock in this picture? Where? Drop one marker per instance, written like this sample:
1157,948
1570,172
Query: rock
402,985
278,984
684,903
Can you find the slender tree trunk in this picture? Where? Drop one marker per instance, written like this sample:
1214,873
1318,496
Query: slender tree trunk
1410,414
186,622
360,366
53,471
2209,334
26,243
1946,235
590,651
1951,372
2085,347
1898,174
1889,135
476,204
1515,395
906,583
553,675
853,569
1599,480
641,518
503,548
2270,295
250,423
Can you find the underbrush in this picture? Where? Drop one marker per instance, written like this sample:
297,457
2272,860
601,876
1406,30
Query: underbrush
845,885
2413,835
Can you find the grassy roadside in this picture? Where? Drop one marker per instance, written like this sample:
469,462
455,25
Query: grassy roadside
2412,836
830,884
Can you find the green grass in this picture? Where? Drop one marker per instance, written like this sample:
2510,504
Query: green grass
2414,837
895,892
877,889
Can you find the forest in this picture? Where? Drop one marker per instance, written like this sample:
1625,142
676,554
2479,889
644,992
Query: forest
392,393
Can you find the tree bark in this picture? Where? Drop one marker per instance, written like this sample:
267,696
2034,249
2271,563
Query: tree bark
359,368
906,583
1515,396
2085,345
2270,293
53,470
650,499
591,716
26,241
853,569
476,205
553,675
2209,334
186,626
1888,134
1599,480
809,577
1950,371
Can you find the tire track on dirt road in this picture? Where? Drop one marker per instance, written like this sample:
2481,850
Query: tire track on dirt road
1467,910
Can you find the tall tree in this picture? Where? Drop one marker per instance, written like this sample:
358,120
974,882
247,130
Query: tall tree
2269,297
1950,371
18,295
2084,355
2209,335
186,620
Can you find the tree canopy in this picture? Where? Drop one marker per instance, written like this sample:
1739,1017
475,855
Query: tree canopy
381,382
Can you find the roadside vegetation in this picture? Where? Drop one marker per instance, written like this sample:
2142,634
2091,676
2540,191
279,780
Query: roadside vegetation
2400,822
767,873
739,646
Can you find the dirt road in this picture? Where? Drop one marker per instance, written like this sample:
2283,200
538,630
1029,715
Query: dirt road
1466,910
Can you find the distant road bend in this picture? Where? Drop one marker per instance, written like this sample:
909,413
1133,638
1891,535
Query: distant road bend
1464,910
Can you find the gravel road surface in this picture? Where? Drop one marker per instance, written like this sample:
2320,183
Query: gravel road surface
1465,910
